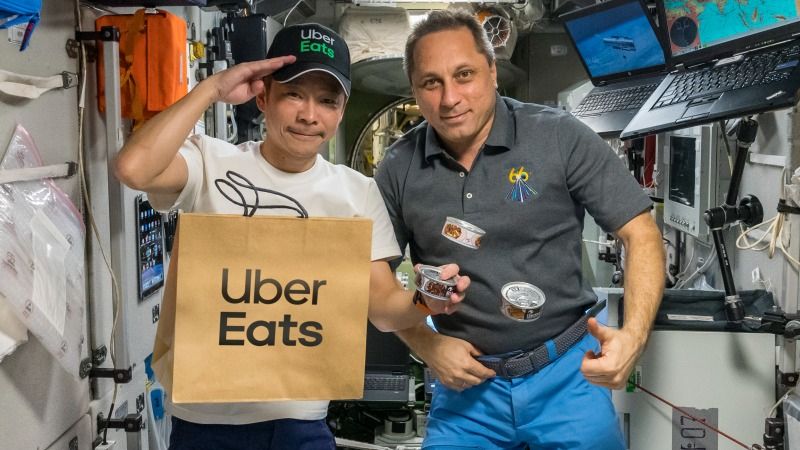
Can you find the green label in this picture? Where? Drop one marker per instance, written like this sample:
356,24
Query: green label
308,46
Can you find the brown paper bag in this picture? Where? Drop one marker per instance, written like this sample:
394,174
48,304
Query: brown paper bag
265,308
163,354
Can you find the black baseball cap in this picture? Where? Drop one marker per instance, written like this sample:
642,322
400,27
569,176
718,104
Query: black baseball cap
316,48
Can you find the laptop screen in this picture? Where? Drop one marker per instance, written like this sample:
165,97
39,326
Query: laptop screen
620,39
694,25
385,352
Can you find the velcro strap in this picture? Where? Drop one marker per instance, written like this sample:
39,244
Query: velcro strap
28,86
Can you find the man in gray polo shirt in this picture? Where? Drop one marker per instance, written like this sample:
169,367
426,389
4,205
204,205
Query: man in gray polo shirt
501,188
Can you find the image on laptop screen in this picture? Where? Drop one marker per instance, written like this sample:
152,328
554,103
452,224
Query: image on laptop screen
616,40
697,24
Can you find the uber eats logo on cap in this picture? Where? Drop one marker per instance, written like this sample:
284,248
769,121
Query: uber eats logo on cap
307,46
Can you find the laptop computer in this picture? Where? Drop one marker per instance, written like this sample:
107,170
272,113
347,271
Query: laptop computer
620,48
731,59
387,364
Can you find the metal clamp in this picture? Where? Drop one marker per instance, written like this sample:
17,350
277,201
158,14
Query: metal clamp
120,376
105,34
788,379
132,423
784,207
69,79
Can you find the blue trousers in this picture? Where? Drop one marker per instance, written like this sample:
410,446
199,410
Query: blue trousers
555,408
283,434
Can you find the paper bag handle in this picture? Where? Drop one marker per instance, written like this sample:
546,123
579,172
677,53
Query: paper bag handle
232,182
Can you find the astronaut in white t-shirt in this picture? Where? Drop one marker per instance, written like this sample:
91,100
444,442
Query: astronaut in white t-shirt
302,90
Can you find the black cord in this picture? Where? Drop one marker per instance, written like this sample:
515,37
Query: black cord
232,182
105,431
723,125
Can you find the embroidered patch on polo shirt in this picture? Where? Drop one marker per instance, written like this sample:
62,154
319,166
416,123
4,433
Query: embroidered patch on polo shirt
520,191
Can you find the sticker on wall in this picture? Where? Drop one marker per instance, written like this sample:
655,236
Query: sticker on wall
687,432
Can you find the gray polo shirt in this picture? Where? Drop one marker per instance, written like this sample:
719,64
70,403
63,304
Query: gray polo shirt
533,229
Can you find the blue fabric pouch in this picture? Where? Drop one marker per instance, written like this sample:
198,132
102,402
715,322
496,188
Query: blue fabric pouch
15,12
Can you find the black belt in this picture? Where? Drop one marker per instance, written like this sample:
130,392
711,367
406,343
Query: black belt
518,363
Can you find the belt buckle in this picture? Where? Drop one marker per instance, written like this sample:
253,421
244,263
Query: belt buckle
500,361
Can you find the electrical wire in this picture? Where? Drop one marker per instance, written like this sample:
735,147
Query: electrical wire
689,260
610,244
99,8
775,232
776,239
286,19
84,189
723,126
783,398
701,269
691,416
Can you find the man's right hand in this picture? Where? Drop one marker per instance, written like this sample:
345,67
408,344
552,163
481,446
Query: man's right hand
244,81
453,361
150,162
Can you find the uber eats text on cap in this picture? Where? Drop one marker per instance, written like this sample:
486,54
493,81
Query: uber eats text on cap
317,48
307,45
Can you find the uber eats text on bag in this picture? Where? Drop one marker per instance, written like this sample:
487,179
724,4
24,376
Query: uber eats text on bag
265,308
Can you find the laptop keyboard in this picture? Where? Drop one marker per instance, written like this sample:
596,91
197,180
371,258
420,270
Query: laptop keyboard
614,100
385,383
759,69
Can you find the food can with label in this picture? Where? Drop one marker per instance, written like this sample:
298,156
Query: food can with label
432,285
462,232
521,301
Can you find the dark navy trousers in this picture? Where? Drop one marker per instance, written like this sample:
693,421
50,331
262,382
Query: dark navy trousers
283,434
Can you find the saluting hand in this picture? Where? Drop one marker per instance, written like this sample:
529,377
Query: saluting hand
244,81
618,353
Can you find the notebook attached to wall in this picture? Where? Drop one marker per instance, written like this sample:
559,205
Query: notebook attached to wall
731,59
386,376
623,53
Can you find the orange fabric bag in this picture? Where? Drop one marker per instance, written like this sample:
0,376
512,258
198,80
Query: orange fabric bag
152,53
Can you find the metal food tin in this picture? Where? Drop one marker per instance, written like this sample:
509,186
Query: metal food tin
432,285
521,301
462,232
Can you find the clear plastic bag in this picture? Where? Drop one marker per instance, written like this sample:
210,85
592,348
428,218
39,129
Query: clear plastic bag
42,240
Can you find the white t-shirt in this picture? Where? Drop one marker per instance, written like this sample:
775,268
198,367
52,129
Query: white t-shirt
324,190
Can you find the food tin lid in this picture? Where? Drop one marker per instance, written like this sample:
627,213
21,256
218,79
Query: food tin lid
435,273
523,295
465,225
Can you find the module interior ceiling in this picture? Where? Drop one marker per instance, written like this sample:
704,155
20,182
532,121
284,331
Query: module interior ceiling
279,8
